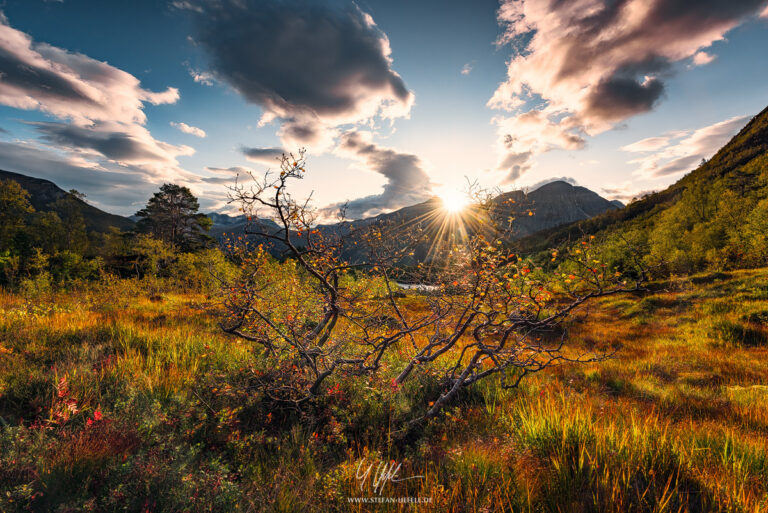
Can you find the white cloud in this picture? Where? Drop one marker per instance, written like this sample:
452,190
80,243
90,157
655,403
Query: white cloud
683,151
702,58
202,77
407,180
626,192
188,129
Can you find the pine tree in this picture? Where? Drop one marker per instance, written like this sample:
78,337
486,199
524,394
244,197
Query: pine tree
171,215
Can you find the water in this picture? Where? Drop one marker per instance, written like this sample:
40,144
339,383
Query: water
421,287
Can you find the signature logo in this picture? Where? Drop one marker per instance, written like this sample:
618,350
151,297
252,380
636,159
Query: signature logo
385,473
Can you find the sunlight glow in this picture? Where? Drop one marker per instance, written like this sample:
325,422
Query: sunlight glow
453,201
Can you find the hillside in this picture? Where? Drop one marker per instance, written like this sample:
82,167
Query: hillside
43,192
739,167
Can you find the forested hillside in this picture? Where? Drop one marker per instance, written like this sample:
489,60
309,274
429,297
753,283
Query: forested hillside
714,217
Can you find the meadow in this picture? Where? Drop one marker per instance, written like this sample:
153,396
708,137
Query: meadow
124,395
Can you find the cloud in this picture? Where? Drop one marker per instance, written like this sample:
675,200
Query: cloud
626,193
584,66
310,66
111,187
407,181
649,144
100,144
702,58
683,150
187,129
466,69
130,145
526,135
201,77
266,156
566,179
37,76
185,5
227,176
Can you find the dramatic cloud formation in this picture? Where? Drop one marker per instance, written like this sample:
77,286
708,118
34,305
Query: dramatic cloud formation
269,157
407,181
187,129
682,151
37,76
309,65
583,66
101,145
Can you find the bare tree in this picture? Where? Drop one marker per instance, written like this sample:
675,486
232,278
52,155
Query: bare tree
327,322
487,312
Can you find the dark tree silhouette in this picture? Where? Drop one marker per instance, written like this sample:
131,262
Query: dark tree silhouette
171,215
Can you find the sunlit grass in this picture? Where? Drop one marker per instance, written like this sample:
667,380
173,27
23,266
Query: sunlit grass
677,421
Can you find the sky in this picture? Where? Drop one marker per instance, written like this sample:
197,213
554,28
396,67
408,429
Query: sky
394,100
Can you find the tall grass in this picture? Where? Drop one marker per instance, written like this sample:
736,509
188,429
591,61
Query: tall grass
113,400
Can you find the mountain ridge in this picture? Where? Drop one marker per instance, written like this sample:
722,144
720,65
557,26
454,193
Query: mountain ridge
43,192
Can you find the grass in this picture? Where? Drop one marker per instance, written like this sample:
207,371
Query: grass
114,401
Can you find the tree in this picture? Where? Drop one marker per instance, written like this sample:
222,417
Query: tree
171,216
14,211
489,313
69,210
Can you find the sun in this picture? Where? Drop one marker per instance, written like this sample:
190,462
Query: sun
453,201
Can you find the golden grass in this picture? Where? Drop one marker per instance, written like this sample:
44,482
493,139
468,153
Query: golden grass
677,421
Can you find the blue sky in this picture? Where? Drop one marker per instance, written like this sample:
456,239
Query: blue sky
571,99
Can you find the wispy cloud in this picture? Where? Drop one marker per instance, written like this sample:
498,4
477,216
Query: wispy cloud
626,193
467,68
38,76
201,77
266,156
226,176
188,129
682,151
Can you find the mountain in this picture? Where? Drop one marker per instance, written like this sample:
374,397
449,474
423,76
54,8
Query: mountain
234,225
43,192
551,205
716,215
